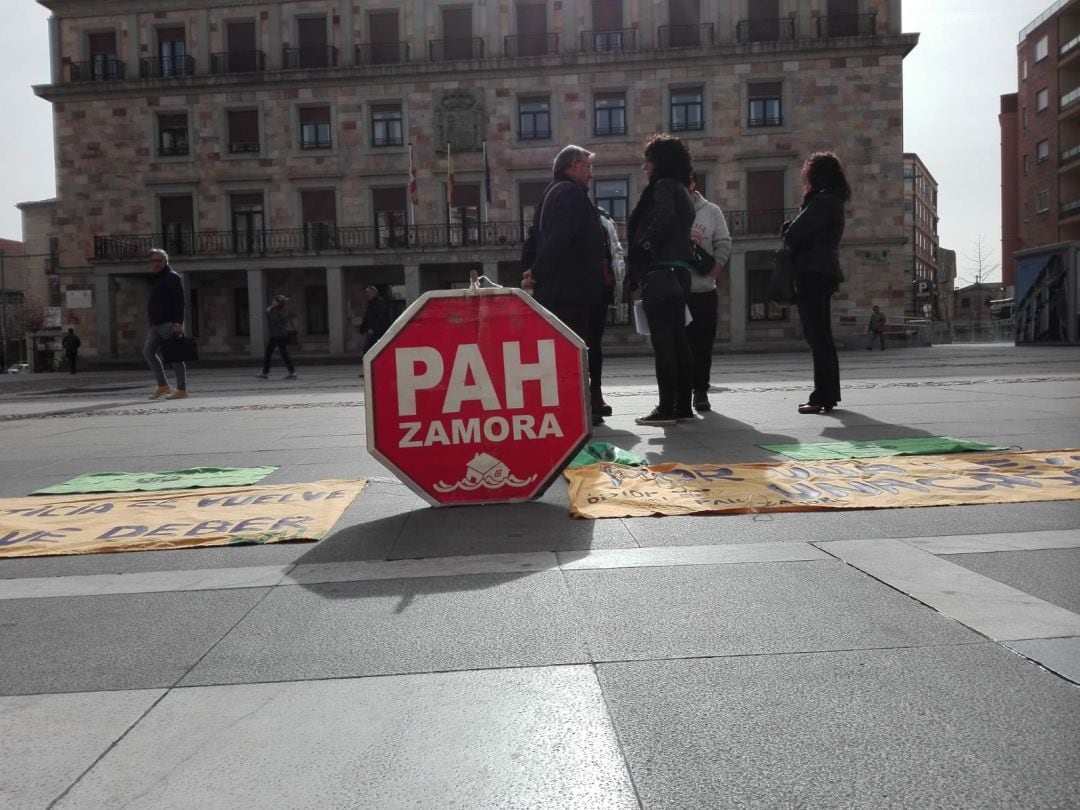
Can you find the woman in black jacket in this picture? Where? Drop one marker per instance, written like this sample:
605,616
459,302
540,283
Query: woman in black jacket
814,238
658,261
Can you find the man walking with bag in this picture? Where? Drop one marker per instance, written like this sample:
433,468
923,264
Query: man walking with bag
165,310
277,325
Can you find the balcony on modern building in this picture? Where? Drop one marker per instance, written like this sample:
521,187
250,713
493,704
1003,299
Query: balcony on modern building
102,68
166,67
382,53
618,41
238,62
530,45
847,25
309,58
1069,104
685,36
778,30
1069,35
447,50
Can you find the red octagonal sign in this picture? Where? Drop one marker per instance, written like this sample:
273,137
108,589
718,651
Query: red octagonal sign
476,396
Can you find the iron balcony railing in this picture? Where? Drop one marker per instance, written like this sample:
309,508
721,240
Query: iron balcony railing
684,36
1069,46
759,222
238,62
382,53
1070,208
621,40
324,237
781,30
321,57
765,121
314,238
1069,155
445,50
102,69
1070,98
847,25
530,45
166,67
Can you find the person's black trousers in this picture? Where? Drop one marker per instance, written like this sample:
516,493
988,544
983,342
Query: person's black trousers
674,365
277,343
595,342
815,293
701,334
72,357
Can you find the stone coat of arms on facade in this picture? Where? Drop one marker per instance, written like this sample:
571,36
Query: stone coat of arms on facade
459,119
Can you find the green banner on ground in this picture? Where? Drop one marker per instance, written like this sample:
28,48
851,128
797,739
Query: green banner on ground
196,477
872,448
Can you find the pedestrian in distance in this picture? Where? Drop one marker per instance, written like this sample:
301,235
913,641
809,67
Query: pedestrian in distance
377,319
563,256
712,247
277,325
165,311
658,260
71,344
875,329
814,238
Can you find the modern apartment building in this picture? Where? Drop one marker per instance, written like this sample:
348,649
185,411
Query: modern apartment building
1040,137
921,224
268,146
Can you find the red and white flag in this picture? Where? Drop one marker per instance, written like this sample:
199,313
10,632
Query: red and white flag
413,193
451,183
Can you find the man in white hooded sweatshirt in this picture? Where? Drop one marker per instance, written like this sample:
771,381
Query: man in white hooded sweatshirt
712,241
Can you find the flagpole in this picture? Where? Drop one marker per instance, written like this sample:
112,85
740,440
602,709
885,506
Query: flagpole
487,185
412,187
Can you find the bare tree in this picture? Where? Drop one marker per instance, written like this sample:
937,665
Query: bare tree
979,266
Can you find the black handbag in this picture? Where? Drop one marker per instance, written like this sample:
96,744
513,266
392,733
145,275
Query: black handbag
179,349
703,261
782,283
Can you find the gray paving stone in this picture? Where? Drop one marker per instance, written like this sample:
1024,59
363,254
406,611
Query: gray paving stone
1050,574
971,726
49,740
1060,655
381,627
748,610
525,738
135,641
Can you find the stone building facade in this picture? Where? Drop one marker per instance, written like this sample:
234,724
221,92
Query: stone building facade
921,225
268,146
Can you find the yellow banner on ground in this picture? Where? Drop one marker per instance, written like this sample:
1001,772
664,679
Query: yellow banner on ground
188,518
612,490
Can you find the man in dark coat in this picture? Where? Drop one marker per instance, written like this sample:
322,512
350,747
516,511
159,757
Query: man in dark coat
71,344
165,311
564,256
377,317
567,269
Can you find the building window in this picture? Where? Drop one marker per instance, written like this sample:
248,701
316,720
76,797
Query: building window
247,222
612,196
759,267
177,223
609,114
1042,100
318,210
1023,71
386,125
243,132
172,53
389,206
907,206
315,128
534,119
241,309
463,215
1042,202
1024,117
529,194
315,307
687,111
385,41
1025,165
1042,151
1042,48
765,107
172,134
764,201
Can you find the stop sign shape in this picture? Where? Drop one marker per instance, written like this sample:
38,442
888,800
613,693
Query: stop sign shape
476,396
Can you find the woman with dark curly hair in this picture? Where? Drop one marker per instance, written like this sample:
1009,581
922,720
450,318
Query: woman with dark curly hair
658,261
814,238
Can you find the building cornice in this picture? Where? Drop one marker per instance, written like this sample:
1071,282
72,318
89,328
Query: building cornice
501,67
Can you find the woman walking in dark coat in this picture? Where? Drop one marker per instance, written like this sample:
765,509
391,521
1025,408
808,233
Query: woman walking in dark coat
658,260
814,238
277,324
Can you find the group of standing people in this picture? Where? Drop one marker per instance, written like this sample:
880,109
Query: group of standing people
677,244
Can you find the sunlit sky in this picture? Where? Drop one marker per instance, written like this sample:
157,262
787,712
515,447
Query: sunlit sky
965,60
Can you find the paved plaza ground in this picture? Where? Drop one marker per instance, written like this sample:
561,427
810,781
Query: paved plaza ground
512,657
